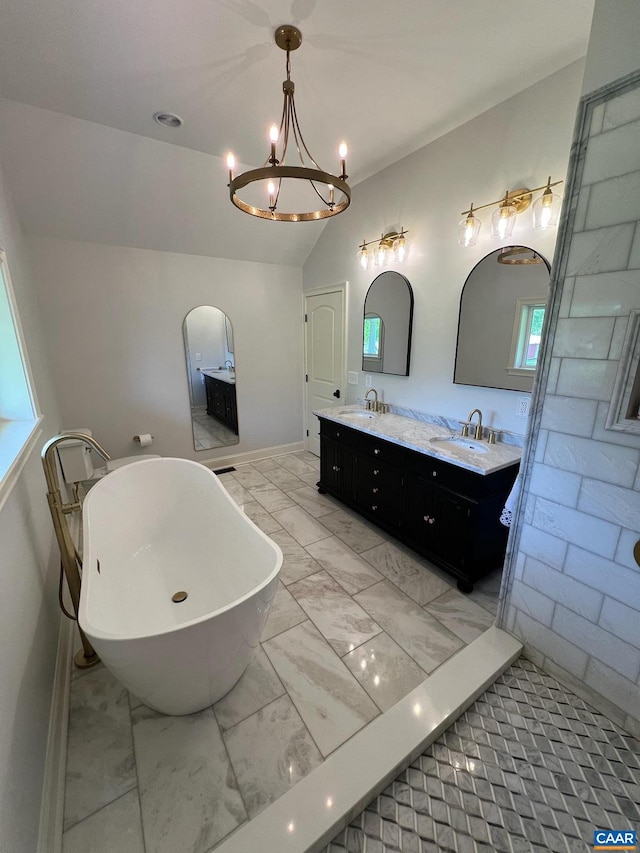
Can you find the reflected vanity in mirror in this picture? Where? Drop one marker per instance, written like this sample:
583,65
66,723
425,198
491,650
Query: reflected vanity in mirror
209,350
501,315
388,316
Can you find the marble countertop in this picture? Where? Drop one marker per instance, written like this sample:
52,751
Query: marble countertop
227,376
478,456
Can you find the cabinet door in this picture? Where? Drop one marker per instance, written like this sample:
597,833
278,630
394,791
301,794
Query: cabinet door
336,467
208,386
439,522
451,524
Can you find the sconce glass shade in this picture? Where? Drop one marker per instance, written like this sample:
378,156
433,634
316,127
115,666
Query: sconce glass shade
363,257
383,254
400,248
503,220
468,229
546,210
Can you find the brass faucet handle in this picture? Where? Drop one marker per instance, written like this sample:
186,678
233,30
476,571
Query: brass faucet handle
383,408
492,436
368,404
465,429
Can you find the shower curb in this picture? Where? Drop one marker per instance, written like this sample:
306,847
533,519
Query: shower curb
308,816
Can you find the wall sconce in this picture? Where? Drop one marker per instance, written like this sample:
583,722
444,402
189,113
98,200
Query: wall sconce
546,211
390,247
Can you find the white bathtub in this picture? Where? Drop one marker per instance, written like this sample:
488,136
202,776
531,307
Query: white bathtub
155,528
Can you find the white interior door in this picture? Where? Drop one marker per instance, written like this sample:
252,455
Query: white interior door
324,358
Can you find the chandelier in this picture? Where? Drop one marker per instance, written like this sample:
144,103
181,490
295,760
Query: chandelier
329,193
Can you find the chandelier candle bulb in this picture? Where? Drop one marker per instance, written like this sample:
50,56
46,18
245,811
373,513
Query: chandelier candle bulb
231,164
342,151
271,189
273,136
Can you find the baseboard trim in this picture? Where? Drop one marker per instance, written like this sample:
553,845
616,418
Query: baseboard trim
52,807
253,455
322,804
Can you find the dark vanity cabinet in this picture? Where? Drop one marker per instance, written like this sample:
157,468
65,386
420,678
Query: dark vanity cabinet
446,513
221,402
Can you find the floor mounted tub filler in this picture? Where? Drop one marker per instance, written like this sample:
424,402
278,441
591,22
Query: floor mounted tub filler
177,582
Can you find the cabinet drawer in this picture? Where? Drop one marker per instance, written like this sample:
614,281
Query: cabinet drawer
371,490
337,432
378,471
380,450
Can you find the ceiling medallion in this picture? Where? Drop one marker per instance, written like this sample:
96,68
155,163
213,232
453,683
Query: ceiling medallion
331,191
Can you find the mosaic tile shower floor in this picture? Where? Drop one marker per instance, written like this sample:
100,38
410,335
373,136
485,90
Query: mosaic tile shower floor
528,767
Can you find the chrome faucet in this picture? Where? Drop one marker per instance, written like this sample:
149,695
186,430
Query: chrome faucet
371,404
230,363
468,423
69,557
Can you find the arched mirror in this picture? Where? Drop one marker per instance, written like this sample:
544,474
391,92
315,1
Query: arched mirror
388,316
502,310
209,350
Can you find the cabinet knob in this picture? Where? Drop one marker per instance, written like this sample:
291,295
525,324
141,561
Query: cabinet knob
374,507
337,435
434,473
431,520
376,450
425,518
375,490
376,472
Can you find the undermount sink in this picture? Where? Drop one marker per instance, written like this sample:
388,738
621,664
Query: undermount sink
459,441
360,413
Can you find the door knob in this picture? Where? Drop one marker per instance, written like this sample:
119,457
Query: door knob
336,393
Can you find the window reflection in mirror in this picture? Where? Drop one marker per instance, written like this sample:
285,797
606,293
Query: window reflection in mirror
501,316
388,315
209,352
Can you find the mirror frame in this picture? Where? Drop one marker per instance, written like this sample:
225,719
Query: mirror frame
410,324
473,269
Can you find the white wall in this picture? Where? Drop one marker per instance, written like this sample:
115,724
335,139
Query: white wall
113,323
614,43
575,585
518,143
29,615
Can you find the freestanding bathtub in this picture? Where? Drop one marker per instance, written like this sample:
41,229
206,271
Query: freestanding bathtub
153,531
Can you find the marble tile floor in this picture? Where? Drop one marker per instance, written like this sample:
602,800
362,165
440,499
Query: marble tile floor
208,432
357,623
528,768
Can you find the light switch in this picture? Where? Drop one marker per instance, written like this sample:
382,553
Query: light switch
352,377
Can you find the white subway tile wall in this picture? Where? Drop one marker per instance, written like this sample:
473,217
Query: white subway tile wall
575,592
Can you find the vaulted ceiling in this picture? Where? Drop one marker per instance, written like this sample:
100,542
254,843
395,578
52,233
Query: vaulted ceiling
387,78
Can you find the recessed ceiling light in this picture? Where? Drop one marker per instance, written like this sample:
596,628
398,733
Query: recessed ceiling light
168,119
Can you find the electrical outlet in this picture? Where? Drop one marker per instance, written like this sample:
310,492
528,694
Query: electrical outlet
522,408
198,356
352,377
367,380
